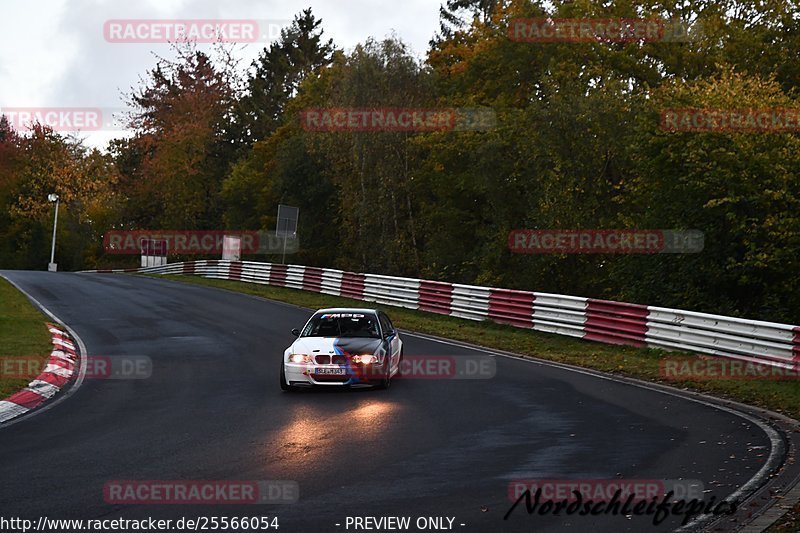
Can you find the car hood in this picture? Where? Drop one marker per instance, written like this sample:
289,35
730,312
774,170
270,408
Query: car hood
336,345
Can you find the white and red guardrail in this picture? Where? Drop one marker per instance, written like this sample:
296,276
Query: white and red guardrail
585,318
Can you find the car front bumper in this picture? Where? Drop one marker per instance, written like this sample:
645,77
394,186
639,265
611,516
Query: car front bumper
303,374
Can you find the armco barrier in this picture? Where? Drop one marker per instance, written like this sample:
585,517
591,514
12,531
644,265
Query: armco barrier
616,323
586,318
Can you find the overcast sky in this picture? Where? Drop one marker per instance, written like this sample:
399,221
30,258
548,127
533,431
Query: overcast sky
53,53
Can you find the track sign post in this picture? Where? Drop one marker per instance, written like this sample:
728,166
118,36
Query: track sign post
231,248
287,225
154,252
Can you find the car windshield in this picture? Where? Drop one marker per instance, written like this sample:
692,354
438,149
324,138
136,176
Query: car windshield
342,325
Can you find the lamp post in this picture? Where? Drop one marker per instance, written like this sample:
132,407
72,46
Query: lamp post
52,267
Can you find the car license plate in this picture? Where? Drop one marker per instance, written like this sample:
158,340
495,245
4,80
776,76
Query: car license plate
330,371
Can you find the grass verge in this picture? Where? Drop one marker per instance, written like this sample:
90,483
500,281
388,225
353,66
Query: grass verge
779,396
24,340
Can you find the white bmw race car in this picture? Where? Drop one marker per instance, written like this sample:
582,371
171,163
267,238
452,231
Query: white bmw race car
343,348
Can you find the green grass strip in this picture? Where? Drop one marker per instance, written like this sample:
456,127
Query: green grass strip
24,340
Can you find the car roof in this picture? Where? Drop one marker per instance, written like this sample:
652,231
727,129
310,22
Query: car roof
347,310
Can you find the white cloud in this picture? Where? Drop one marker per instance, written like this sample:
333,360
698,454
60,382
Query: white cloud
53,52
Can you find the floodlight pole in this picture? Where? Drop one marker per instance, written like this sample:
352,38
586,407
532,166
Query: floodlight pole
54,197
286,221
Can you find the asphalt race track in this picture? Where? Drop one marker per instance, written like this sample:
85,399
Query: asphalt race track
212,410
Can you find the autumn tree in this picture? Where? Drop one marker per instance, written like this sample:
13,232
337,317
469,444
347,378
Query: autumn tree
181,149
36,164
278,72
740,189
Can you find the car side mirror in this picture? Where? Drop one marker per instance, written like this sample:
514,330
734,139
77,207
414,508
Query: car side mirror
296,332
388,334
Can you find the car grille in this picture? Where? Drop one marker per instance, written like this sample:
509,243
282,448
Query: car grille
327,359
336,379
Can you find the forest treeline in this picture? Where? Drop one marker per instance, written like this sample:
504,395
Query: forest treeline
576,143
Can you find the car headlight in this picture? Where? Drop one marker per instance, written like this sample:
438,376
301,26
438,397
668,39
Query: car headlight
299,358
366,359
